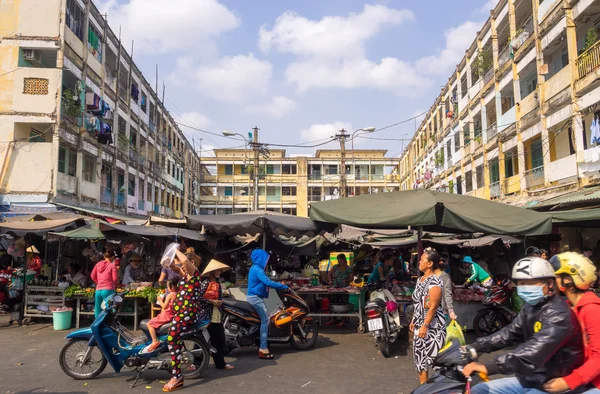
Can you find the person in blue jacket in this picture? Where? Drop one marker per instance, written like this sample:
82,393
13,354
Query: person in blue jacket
258,290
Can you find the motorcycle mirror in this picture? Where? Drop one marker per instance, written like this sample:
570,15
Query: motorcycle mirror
117,299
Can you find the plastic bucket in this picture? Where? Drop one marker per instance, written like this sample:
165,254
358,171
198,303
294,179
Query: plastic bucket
62,320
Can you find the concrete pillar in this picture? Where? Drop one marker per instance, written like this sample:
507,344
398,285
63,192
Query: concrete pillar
501,169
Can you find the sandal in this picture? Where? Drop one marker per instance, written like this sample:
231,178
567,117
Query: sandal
228,367
173,387
265,356
152,347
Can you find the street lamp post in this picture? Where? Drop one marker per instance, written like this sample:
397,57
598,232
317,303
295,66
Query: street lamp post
255,148
365,130
341,137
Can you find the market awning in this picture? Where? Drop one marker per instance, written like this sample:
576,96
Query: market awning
107,215
89,231
152,231
252,223
181,223
434,211
21,228
16,205
46,216
588,195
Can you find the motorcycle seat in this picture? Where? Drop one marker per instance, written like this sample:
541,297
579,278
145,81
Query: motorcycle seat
240,305
379,303
163,330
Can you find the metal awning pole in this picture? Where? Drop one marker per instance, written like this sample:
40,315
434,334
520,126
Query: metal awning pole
419,243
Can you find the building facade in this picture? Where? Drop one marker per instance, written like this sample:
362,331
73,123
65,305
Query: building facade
288,184
517,119
79,123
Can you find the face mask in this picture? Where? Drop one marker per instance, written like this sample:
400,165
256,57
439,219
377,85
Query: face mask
532,295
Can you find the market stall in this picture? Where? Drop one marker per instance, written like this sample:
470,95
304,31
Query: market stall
332,310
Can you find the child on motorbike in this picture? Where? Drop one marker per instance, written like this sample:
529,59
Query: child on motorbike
546,333
165,316
575,276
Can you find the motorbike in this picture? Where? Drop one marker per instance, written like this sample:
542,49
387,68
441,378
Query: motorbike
289,323
89,350
383,319
499,311
448,377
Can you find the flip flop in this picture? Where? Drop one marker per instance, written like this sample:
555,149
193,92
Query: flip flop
228,367
175,387
265,356
152,347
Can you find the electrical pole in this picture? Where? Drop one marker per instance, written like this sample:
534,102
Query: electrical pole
255,147
341,136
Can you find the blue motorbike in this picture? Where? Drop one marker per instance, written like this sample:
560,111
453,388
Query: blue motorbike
106,341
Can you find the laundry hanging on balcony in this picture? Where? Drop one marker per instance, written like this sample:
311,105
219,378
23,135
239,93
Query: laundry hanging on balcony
92,101
595,131
105,135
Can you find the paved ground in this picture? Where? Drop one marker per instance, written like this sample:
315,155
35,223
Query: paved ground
342,362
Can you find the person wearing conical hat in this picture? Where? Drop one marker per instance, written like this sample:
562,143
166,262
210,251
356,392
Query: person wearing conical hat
210,308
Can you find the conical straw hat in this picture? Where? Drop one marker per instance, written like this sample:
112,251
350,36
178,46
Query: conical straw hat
214,265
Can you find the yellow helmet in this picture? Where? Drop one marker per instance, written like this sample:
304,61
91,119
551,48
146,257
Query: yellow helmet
579,268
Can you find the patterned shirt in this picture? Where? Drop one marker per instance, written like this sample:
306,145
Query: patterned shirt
187,304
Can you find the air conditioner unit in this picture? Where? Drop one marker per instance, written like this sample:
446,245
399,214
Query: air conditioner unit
33,55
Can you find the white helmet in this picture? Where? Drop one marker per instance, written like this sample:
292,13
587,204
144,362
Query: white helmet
532,268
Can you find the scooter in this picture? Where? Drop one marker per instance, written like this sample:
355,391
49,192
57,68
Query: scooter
288,324
383,319
499,311
449,378
106,341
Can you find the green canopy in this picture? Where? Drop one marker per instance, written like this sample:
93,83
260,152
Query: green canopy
576,217
434,211
89,231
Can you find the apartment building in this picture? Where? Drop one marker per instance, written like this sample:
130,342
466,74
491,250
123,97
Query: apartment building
79,123
288,184
517,119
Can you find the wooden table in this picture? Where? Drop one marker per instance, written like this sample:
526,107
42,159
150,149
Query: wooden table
135,314
358,313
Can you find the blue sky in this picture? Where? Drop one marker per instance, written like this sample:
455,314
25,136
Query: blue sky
299,70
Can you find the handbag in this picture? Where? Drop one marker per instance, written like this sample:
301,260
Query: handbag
212,291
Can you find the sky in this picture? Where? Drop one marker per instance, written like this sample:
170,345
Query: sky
298,70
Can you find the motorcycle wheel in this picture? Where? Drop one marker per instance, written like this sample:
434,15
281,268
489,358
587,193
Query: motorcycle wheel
195,353
71,356
385,347
488,321
311,329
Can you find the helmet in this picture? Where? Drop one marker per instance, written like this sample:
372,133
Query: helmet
533,250
579,268
532,268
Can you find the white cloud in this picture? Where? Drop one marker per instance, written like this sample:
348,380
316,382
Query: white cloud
277,108
321,131
159,26
332,36
234,79
390,74
458,40
195,120
330,52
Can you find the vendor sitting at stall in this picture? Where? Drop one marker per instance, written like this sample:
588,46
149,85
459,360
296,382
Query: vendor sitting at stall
135,270
75,276
34,261
478,274
382,269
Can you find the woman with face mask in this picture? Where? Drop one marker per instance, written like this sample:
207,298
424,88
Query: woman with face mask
546,334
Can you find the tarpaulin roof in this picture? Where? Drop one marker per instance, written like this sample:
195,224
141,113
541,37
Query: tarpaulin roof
153,231
433,211
252,223
444,240
21,228
45,216
107,214
181,223
89,231
585,195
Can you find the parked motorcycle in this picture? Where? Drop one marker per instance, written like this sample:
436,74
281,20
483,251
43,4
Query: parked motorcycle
499,312
289,323
383,319
89,349
448,378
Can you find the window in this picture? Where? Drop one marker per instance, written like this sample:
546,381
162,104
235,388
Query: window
289,169
273,169
94,41
288,191
456,142
458,185
62,159
331,169
509,165
74,18
537,157
244,170
89,168
494,171
228,169
143,103
72,163
228,191
479,177
36,136
468,181
131,185
467,135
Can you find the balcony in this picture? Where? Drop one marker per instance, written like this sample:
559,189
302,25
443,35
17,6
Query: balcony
141,205
157,209
105,195
494,190
120,203
492,131
534,177
544,9
508,119
589,60
503,56
523,34
558,82
315,177
562,169
512,184
152,126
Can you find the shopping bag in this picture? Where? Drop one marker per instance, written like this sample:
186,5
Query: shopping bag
454,332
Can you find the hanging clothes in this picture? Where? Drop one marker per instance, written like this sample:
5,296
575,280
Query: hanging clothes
92,101
135,92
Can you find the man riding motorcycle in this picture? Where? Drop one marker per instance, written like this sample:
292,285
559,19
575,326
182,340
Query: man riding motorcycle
575,275
546,332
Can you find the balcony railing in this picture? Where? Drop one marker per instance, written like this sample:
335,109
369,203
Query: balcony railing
534,177
503,56
151,125
524,33
589,60
315,177
488,74
105,195
492,131
494,190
